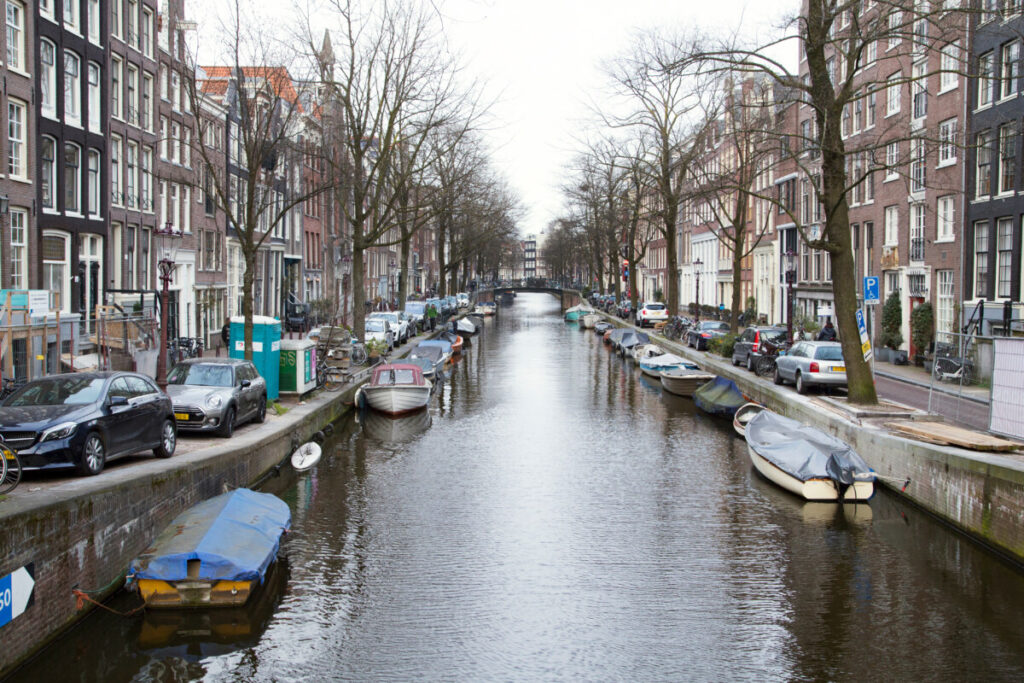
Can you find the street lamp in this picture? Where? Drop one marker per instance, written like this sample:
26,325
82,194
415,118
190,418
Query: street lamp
696,278
790,279
167,242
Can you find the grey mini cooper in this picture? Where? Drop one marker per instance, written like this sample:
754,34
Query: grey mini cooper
216,394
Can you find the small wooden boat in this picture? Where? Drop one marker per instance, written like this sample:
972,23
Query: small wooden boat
443,344
646,351
591,319
431,359
684,382
744,414
806,461
653,366
307,455
465,326
575,313
630,339
602,327
454,339
719,397
215,554
397,389
614,336
395,429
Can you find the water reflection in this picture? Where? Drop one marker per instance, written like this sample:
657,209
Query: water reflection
553,515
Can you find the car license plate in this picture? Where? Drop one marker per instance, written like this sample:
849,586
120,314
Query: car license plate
838,368
181,416
8,455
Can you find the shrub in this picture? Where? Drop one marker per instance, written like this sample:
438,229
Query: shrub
922,327
892,321
659,295
723,345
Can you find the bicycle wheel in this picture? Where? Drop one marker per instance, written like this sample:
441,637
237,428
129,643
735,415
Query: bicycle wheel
11,471
333,381
765,366
358,355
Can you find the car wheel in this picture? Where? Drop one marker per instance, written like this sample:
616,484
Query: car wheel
168,440
227,425
94,455
777,378
261,411
750,363
801,385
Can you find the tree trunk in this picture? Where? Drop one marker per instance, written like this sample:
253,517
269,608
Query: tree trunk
403,272
358,290
737,284
672,261
247,279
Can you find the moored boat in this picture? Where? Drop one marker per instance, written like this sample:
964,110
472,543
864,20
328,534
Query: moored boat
215,554
719,397
744,414
305,456
465,326
397,388
443,344
431,359
646,351
632,338
653,366
684,382
454,339
591,319
614,336
602,327
806,461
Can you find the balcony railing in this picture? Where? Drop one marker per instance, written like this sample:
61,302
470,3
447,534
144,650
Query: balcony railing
917,249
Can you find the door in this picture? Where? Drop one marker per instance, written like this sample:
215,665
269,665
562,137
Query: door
121,432
90,276
146,405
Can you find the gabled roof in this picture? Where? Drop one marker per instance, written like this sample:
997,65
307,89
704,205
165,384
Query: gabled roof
214,80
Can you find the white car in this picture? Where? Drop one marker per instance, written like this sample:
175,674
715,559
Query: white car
463,299
650,313
380,330
400,325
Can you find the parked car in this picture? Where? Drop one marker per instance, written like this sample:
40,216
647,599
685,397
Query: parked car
750,344
416,310
85,419
812,363
624,309
216,394
400,324
651,312
463,299
380,330
703,332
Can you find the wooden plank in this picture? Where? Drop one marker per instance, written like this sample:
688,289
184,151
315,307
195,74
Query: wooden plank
942,433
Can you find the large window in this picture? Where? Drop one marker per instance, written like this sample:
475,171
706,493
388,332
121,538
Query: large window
986,77
94,183
132,96
19,248
116,198
947,142
892,160
946,210
919,88
116,74
1007,156
48,172
147,180
116,17
1009,69
917,165
147,101
72,88
981,259
94,21
1004,257
95,107
892,94
48,78
132,166
72,178
147,31
917,220
16,36
71,15
133,23
56,256
945,301
950,65
17,139
892,226
983,172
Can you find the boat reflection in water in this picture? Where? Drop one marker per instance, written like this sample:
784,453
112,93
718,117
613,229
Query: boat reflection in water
394,429
193,634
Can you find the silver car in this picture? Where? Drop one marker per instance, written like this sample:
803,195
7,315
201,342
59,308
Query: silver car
812,363
216,394
399,324
380,330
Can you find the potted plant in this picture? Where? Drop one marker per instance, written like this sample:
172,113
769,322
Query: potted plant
892,320
375,347
922,330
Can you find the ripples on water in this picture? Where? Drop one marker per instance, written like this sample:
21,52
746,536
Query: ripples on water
554,516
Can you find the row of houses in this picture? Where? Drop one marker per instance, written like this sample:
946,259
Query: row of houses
103,120
936,193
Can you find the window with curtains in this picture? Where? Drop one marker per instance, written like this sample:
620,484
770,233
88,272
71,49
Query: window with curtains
983,164
986,79
48,78
94,183
16,36
95,106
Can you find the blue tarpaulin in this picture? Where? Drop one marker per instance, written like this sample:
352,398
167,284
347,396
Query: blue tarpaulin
235,536
719,397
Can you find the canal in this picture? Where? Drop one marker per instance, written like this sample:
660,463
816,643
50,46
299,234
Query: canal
554,516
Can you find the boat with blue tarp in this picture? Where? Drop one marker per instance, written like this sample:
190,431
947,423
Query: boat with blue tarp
214,554
719,397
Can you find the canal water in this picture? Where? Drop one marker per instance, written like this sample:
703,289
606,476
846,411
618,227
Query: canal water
556,517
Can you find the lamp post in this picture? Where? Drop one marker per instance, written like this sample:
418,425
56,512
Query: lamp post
790,279
696,279
168,240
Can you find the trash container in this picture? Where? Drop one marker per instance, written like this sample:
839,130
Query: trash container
298,366
266,348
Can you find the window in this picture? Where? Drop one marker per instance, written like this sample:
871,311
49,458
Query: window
147,31
986,76
132,12
56,256
919,88
147,179
917,220
892,160
131,163
163,83
945,302
186,208
94,183
94,21
186,147
95,118
48,78
72,178
116,18
946,210
949,63
16,36
1009,69
947,142
163,203
144,257
19,248
48,173
163,137
892,94
72,88
17,132
892,225
132,96
892,282
147,101
1004,257
46,8
917,165
116,67
981,259
1007,156
983,173
175,91
71,15
116,198
869,112
164,31
175,142
895,24
129,256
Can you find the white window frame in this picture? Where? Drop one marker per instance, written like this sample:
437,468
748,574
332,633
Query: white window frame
72,89
892,226
945,300
892,161
95,90
146,111
48,78
147,32
945,219
17,139
77,184
146,189
48,180
46,9
116,172
131,100
164,143
893,94
131,167
1004,257
16,56
983,158
19,248
94,183
947,142
1009,69
71,15
116,88
981,249
65,284
1006,149
949,76
132,30
985,80
117,18
94,21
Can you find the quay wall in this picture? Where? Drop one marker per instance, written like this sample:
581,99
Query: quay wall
82,534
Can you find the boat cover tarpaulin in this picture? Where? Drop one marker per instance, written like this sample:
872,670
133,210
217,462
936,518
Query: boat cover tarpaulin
443,344
803,451
720,397
631,339
465,326
235,536
667,360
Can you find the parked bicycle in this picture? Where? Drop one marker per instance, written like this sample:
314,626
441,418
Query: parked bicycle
675,328
954,369
766,362
329,373
185,347
10,468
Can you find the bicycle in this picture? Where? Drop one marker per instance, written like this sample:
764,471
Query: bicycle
10,468
766,362
10,385
953,369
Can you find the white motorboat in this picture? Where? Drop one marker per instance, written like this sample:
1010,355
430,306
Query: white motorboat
653,366
396,389
806,461
684,382
646,351
590,319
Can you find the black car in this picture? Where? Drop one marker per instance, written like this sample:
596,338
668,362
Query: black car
751,343
700,334
84,419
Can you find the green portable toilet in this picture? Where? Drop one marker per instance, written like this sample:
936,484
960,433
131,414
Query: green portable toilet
298,366
266,348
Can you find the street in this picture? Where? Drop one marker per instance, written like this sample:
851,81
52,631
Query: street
955,410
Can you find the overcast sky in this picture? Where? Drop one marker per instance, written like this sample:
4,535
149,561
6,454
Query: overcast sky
541,62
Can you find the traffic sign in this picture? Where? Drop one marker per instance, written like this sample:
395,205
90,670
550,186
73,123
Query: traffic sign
865,342
16,592
871,290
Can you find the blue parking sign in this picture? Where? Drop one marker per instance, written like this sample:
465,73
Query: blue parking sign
871,290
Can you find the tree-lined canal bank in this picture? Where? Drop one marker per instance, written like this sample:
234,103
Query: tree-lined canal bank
556,517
